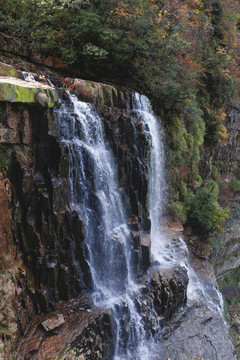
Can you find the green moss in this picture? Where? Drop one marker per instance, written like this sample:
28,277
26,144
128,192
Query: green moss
7,70
88,86
21,94
5,157
102,94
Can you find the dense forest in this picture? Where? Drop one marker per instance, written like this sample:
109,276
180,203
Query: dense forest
183,54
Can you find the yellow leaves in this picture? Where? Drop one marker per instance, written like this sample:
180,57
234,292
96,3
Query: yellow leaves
223,135
161,33
221,115
159,17
120,12
185,8
123,13
224,53
234,43
221,51
195,11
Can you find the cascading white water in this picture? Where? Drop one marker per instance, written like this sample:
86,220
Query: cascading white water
165,253
142,106
170,252
202,290
94,192
28,76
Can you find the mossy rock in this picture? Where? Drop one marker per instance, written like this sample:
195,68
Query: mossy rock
99,94
8,70
15,90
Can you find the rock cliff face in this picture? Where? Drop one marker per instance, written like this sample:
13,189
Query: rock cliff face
226,256
46,308
44,235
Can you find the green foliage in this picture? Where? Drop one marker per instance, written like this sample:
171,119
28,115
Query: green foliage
212,186
179,210
231,280
205,214
214,172
198,181
235,185
5,156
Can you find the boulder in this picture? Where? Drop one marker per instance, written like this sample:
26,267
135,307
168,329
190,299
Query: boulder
53,323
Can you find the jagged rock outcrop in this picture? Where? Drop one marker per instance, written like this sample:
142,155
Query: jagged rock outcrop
228,154
77,330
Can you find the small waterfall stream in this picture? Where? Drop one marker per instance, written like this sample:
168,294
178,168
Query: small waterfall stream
166,251
142,106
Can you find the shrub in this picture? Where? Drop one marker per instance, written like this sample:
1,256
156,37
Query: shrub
214,172
205,214
212,186
179,210
235,185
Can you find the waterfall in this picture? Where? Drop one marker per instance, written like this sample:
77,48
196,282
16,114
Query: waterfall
166,251
94,193
142,106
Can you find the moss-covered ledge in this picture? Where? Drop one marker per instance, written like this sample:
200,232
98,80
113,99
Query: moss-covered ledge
99,93
17,90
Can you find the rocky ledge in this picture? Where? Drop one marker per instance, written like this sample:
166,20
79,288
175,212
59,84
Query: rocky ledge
78,330
20,91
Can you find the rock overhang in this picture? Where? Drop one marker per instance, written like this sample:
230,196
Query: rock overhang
16,90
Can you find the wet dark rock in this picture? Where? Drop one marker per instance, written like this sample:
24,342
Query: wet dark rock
168,289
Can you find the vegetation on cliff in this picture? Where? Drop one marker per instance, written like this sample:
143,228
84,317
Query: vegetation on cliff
183,54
